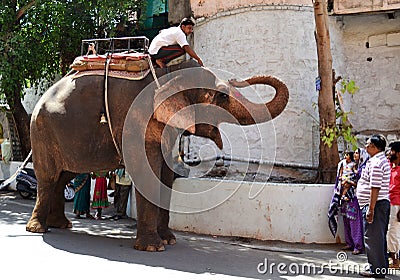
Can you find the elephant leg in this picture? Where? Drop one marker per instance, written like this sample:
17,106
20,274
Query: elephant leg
37,222
167,178
56,217
49,208
46,175
147,238
147,200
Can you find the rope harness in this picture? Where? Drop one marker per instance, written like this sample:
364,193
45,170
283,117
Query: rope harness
107,110
106,71
153,72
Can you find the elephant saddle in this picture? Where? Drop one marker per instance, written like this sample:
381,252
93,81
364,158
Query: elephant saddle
132,62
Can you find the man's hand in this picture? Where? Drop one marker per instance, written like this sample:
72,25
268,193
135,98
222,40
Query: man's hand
372,202
398,215
193,54
370,216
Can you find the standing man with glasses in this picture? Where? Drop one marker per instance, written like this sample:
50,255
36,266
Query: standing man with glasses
373,196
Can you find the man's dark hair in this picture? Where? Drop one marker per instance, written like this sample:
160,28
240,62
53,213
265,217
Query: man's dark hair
187,21
395,146
379,141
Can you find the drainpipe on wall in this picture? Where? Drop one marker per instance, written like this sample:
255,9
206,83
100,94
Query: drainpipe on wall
249,160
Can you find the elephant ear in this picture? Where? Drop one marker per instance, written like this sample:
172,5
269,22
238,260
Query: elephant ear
169,100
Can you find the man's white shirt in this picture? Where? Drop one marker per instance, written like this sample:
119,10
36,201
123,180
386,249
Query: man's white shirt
167,37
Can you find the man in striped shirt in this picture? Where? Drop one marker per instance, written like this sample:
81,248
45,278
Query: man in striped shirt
373,196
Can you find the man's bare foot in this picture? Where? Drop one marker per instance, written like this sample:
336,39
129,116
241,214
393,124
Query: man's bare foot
160,63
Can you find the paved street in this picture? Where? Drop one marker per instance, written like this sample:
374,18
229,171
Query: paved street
104,249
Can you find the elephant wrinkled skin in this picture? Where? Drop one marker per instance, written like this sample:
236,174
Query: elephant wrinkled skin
67,138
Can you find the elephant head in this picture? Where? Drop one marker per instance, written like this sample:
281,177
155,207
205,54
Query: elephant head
182,91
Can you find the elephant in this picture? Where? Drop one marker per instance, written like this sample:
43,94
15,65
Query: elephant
67,138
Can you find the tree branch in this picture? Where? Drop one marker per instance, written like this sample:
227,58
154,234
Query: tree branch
21,12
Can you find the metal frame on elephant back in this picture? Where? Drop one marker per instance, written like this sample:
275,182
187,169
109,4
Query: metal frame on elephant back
121,54
139,44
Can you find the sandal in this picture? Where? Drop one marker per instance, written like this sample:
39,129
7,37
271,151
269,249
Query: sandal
89,216
394,265
116,217
356,252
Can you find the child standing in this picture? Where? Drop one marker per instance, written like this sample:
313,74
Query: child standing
346,174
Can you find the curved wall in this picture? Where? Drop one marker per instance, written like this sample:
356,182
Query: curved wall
274,40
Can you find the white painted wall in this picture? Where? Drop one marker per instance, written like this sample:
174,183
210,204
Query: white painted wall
264,211
292,213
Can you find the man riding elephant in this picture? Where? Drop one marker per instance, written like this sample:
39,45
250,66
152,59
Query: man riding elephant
171,43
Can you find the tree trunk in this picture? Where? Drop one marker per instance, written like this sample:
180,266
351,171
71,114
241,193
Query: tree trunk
328,156
22,126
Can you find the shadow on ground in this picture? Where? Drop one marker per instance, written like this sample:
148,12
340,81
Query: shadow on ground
199,254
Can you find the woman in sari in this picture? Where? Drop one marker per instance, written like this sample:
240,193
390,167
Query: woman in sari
350,209
82,184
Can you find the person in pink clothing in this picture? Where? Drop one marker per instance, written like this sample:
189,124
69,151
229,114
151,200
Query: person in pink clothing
393,235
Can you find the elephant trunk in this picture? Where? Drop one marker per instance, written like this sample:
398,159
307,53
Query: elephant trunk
252,113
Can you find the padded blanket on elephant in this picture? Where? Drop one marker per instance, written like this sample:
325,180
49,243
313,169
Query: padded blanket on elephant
128,75
132,62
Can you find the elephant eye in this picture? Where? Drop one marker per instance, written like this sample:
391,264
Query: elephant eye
221,97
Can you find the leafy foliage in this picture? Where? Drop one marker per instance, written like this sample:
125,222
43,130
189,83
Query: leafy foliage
343,127
40,38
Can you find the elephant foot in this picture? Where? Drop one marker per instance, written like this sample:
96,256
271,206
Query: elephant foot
59,222
35,226
148,243
169,241
167,237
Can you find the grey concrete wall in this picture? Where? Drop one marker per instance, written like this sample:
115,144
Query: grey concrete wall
178,9
271,40
376,69
278,40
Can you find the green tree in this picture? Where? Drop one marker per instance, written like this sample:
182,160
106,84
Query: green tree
40,38
328,154
333,119
343,129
